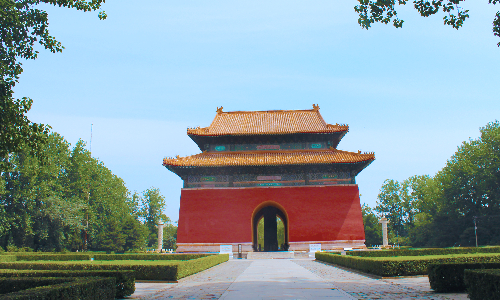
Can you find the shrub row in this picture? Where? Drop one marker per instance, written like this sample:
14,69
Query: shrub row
148,256
82,288
87,256
483,284
449,277
170,272
6,258
125,280
53,257
400,267
26,253
142,272
12,285
190,267
423,252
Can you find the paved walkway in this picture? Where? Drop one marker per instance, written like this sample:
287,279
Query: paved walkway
288,279
281,279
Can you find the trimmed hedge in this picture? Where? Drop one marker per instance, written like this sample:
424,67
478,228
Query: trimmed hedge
482,284
190,267
125,280
449,277
83,288
6,258
29,253
149,256
12,285
170,272
53,257
142,272
423,252
35,256
390,268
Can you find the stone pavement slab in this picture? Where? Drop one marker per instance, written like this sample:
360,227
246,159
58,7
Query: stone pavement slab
208,284
280,279
361,286
288,279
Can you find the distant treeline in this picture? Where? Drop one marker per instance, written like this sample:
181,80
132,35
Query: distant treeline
60,197
442,211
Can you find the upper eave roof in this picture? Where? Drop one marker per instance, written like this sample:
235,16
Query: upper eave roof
267,122
269,158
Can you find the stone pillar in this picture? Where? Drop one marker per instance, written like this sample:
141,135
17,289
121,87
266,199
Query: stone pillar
160,237
385,240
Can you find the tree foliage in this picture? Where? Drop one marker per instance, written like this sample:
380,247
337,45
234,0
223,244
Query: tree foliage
170,236
51,203
470,184
441,210
384,11
152,213
373,229
398,202
22,26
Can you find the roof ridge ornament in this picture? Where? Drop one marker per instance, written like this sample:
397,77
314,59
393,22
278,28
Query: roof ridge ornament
315,107
219,109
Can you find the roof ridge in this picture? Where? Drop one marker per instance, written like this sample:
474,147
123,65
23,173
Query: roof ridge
267,122
265,111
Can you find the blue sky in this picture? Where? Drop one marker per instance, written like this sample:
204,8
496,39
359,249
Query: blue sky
154,68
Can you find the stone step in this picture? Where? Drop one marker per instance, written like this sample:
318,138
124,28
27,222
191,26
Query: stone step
270,255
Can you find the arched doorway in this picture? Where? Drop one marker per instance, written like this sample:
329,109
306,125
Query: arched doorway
269,213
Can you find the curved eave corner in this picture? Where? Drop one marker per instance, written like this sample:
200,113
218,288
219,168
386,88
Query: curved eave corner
169,163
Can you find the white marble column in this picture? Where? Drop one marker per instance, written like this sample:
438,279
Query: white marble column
385,240
160,237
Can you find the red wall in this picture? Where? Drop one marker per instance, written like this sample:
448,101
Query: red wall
315,213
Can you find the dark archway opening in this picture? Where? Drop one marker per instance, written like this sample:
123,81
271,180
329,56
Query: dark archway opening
270,215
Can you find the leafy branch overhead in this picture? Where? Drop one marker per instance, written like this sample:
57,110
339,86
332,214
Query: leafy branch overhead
22,25
384,11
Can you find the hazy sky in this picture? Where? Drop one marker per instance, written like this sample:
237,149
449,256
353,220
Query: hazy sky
154,68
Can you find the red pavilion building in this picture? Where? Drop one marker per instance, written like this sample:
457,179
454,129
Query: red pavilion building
268,164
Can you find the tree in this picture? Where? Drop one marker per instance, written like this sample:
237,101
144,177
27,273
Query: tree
384,11
4,218
373,229
152,212
39,214
401,202
440,211
280,227
170,236
112,237
22,25
390,205
46,203
470,184
134,230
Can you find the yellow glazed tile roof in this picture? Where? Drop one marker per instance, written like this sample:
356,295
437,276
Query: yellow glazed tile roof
267,122
268,158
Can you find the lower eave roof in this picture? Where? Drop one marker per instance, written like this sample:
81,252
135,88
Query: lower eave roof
269,158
